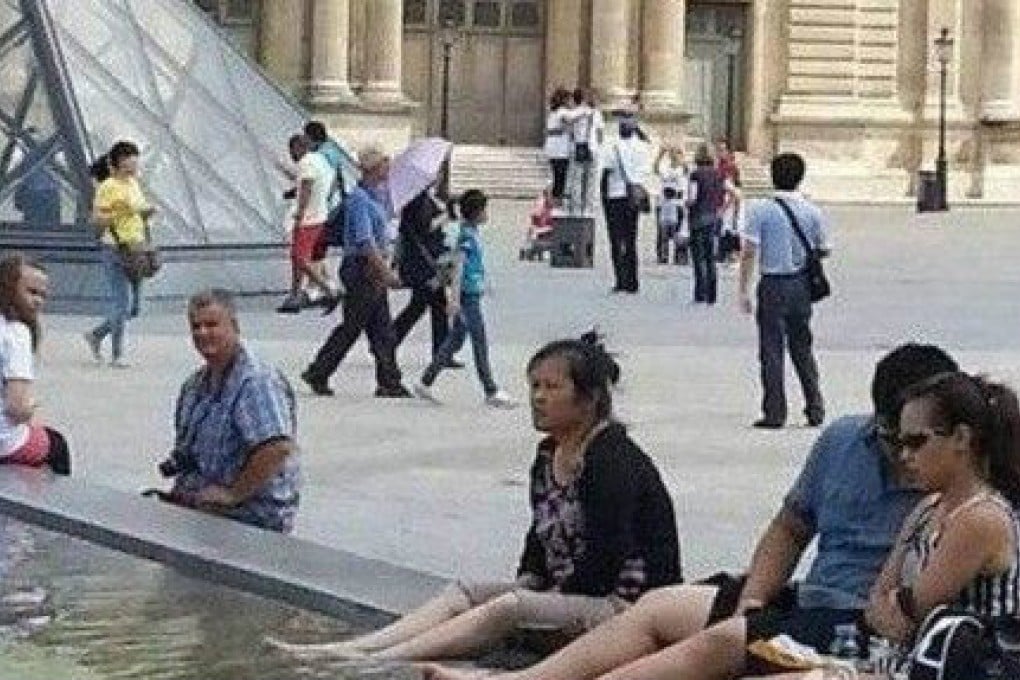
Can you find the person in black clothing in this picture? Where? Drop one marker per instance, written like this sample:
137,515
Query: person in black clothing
423,254
705,188
603,530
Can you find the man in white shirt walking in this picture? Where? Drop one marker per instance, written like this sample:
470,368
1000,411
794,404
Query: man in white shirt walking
315,178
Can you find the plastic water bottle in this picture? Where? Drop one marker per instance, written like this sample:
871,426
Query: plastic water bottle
844,642
881,656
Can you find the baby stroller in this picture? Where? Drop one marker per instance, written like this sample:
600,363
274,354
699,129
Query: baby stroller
538,239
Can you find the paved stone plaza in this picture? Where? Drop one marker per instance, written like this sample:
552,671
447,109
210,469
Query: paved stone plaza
443,489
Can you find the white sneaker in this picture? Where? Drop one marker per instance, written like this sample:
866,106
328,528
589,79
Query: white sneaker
93,342
424,392
120,362
500,399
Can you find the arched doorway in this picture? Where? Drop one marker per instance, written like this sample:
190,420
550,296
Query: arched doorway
496,67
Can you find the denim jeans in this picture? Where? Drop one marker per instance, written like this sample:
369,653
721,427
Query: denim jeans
123,302
703,263
469,322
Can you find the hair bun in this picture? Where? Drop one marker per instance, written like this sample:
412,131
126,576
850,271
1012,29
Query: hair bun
603,358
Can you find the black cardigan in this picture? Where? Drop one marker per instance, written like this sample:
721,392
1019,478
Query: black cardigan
627,513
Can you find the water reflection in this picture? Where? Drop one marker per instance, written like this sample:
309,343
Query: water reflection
70,610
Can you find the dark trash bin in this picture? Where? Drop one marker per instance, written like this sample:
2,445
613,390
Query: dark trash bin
573,241
928,199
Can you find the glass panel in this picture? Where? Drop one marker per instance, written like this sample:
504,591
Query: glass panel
416,12
488,13
239,11
525,15
700,20
36,191
210,6
452,11
9,15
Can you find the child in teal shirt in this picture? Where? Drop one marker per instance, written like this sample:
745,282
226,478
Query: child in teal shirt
465,306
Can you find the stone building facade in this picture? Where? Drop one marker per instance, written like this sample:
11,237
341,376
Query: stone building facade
853,84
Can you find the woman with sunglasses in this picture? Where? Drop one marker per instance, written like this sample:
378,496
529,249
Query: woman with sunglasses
959,436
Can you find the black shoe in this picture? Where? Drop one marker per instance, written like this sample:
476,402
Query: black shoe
765,424
395,392
814,418
291,305
319,387
453,363
329,304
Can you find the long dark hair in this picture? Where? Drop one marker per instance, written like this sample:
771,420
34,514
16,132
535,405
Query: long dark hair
591,368
12,268
992,413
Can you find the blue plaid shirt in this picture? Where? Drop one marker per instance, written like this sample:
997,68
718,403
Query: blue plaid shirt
217,429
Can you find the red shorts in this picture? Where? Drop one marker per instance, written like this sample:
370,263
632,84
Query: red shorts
308,244
34,451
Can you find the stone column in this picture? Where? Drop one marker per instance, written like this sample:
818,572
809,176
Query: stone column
330,65
563,44
662,27
609,43
1000,92
281,42
384,36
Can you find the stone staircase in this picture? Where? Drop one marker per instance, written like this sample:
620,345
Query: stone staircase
500,171
522,172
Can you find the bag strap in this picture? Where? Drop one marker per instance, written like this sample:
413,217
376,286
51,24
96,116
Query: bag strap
809,251
589,127
619,162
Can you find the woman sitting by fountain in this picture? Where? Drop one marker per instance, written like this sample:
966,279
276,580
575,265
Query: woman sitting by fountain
602,531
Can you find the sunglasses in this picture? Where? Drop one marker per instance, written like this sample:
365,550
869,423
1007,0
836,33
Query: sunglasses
915,441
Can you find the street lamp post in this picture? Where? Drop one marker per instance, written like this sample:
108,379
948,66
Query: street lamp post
448,38
944,53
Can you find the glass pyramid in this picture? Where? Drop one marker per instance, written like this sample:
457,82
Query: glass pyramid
78,75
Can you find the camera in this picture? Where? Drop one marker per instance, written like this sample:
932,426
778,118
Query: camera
177,463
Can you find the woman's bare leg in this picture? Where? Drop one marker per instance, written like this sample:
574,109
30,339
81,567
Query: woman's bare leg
451,603
660,618
464,635
716,653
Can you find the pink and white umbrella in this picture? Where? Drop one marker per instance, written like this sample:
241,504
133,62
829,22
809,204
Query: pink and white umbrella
415,169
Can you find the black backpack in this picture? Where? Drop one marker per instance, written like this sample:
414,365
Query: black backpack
335,221
953,645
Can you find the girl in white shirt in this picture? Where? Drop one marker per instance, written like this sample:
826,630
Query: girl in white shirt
23,290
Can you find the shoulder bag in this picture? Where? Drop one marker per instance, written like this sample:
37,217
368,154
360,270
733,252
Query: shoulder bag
140,260
818,284
637,195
